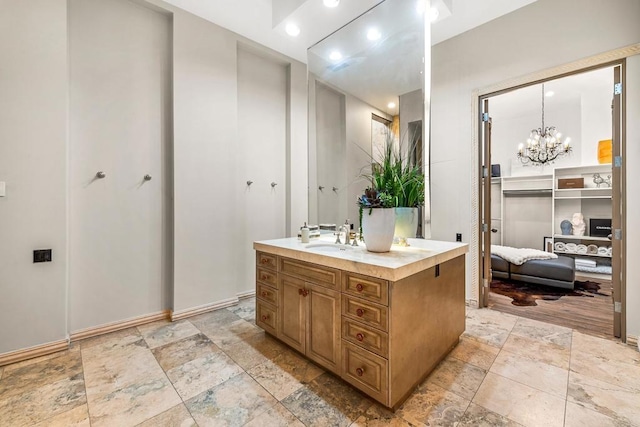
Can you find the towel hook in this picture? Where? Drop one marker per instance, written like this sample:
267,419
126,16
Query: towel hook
273,184
249,183
147,177
100,174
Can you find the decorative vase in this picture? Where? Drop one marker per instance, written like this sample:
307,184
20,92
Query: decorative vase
406,225
378,225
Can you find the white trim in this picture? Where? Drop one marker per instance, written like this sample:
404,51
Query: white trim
246,294
31,352
117,326
182,314
632,340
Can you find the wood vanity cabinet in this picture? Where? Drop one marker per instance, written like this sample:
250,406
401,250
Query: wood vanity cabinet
383,337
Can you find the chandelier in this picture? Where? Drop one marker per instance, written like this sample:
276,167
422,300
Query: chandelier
544,144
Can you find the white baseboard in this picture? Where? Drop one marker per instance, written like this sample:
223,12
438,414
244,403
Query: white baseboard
31,352
182,314
632,340
247,294
117,326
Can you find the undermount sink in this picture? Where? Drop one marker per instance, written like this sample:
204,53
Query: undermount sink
328,247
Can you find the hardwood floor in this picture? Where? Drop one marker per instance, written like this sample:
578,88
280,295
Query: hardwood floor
593,316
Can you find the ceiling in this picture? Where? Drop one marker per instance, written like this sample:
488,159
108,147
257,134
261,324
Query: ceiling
264,21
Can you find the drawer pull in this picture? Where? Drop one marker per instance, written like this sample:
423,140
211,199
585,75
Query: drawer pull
360,336
303,292
300,291
359,287
263,277
264,261
264,293
265,317
360,372
360,312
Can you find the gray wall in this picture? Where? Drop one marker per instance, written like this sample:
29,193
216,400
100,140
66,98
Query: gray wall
460,65
208,235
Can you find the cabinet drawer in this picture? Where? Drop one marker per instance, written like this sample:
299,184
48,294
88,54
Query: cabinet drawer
366,312
325,276
267,277
369,288
365,371
267,260
369,338
266,316
267,294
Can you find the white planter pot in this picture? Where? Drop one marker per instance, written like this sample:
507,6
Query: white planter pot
378,228
406,224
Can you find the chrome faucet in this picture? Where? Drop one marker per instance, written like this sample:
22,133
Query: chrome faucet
346,228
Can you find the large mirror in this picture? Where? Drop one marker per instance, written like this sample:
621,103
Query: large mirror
365,80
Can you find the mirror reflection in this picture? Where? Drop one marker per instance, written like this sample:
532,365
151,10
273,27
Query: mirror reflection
365,80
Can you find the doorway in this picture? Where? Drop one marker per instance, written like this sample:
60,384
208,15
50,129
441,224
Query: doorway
525,201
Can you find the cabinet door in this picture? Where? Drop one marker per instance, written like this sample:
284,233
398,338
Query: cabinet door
323,334
292,311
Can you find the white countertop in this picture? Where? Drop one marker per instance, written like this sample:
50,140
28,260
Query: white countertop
397,264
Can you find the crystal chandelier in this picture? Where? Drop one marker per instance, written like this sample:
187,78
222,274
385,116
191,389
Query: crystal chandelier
544,144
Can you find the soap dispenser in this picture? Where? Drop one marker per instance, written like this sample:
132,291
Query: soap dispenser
304,233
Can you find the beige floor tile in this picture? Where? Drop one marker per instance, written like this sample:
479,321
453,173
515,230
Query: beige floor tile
431,405
74,347
232,403
178,416
544,377
276,416
544,332
379,416
111,340
133,404
164,332
488,326
77,417
477,416
579,416
520,403
621,404
604,349
254,350
327,401
607,370
538,350
458,377
39,404
285,374
214,319
232,333
246,308
178,353
203,373
475,353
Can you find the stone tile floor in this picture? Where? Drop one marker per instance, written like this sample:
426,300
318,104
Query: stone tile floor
219,369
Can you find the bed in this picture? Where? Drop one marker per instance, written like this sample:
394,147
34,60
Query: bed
559,272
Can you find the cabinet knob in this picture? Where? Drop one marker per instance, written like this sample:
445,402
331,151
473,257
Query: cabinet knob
360,372
360,312
263,277
359,287
264,261
300,291
265,317
264,293
360,336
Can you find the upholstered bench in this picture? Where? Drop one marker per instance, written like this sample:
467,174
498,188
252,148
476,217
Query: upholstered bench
559,272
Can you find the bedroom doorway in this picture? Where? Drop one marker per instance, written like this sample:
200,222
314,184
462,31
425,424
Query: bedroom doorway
569,207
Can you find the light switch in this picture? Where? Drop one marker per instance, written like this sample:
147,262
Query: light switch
2,189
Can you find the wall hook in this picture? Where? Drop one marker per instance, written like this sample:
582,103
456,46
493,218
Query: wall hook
273,184
147,177
100,174
335,189
249,183
321,187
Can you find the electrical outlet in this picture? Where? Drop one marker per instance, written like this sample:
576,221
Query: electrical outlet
458,237
42,255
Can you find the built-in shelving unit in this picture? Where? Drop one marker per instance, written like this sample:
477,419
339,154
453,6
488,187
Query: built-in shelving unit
594,202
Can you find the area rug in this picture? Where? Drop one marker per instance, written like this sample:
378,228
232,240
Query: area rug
525,294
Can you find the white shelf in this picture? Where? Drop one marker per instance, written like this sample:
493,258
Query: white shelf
572,237
579,254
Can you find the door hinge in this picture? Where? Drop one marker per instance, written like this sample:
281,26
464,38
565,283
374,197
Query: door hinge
617,234
485,117
617,307
485,228
617,88
485,172
617,161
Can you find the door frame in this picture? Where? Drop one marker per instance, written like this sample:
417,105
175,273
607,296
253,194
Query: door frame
612,58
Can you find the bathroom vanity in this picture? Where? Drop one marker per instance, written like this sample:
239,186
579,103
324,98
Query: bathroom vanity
381,322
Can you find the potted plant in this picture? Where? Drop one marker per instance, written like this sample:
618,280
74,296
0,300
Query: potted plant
395,183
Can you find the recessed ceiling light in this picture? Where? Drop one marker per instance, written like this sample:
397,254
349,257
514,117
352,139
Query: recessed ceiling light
373,34
391,105
434,13
292,29
335,56
549,93
331,3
